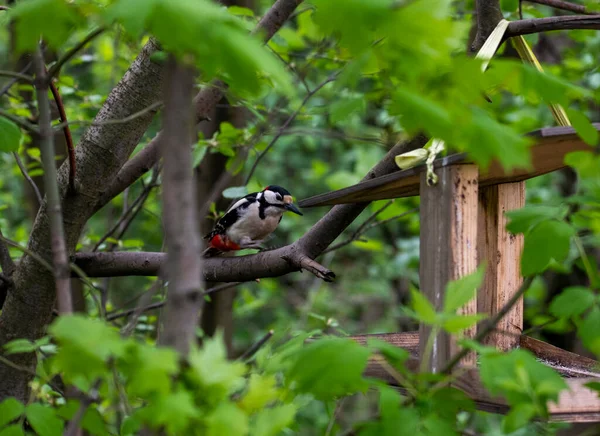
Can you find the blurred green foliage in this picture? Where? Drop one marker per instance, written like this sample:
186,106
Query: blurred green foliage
392,68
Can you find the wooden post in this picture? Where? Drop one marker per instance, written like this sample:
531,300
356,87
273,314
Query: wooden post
502,253
448,249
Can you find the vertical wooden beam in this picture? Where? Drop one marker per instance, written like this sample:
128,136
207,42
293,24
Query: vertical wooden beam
448,249
501,251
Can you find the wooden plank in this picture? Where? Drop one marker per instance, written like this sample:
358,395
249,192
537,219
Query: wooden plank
449,228
407,340
547,155
567,363
502,253
577,404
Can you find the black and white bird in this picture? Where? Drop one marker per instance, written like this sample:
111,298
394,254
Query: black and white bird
250,220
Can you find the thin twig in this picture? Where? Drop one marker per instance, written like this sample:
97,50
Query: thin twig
15,75
489,325
58,244
257,346
565,6
124,217
19,121
11,82
133,116
67,133
55,69
287,122
123,313
73,427
36,190
368,225
334,415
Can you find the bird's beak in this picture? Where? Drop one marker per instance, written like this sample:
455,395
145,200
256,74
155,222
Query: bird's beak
289,205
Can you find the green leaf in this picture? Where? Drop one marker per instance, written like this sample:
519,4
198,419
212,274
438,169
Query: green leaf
419,112
341,109
10,409
10,136
583,127
12,430
18,346
272,421
572,301
241,11
218,40
85,347
520,378
261,391
235,192
149,369
509,5
393,354
174,411
216,375
329,367
32,23
460,292
457,323
546,241
588,331
227,419
44,420
521,220
423,308
518,417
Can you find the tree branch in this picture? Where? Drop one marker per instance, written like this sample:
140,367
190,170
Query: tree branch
36,190
59,248
159,304
272,263
489,325
204,101
182,237
152,108
19,121
6,262
67,132
287,123
15,75
55,69
567,22
565,6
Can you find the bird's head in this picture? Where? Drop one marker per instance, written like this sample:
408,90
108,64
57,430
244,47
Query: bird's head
280,197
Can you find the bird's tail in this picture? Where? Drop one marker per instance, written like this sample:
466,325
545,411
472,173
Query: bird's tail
211,252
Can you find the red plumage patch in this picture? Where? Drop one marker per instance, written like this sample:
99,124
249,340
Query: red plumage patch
223,243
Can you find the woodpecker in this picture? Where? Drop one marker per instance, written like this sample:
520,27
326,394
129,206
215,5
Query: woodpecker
250,220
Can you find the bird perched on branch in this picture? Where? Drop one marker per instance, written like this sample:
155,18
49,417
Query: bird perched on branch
249,221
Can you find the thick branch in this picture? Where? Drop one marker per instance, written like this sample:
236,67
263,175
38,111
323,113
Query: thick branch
536,25
488,16
204,102
180,219
57,232
272,263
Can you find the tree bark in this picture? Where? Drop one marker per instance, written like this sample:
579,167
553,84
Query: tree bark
100,154
180,218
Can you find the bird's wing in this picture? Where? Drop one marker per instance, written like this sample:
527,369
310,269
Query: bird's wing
231,215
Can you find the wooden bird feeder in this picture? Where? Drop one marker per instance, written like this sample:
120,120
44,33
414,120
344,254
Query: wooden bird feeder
462,224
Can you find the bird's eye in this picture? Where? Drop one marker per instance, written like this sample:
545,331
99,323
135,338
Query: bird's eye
278,197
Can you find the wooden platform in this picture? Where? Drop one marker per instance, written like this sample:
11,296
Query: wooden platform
548,155
578,404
